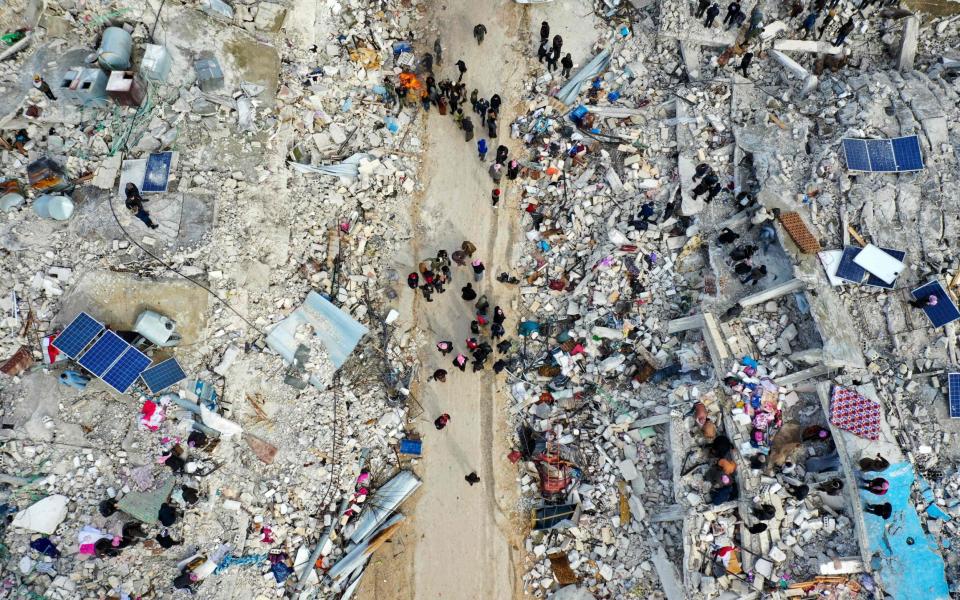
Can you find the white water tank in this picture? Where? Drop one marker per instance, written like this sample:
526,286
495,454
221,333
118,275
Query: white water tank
157,328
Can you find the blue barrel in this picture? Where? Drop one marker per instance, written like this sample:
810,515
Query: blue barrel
115,48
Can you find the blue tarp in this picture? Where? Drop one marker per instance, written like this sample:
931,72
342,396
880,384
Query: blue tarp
908,571
337,330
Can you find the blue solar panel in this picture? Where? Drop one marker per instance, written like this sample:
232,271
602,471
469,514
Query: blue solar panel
163,375
876,281
849,270
126,370
953,394
72,340
906,151
157,172
945,311
881,155
103,353
856,154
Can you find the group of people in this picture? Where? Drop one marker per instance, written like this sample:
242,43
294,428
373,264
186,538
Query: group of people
741,255
550,51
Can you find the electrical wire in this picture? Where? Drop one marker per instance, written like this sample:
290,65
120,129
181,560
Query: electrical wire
187,277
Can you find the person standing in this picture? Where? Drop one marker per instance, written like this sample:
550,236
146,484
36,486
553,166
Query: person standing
543,51
479,31
745,62
472,478
502,153
460,362
427,289
438,51
844,31
462,68
43,86
441,421
467,129
701,170
732,9
809,23
482,105
468,247
445,347
134,204
755,275
881,510
553,58
712,13
495,103
492,125
557,43
474,97
468,293
567,63
440,375
513,170
478,269
702,6
826,22
413,280
495,196
544,31
482,149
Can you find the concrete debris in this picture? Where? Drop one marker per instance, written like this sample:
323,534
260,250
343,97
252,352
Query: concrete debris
248,170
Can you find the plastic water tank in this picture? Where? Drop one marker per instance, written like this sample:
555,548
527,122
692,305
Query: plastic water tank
49,206
10,201
155,327
115,48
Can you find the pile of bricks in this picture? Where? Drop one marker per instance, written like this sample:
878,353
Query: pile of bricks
801,235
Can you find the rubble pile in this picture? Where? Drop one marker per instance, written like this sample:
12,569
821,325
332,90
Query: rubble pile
286,440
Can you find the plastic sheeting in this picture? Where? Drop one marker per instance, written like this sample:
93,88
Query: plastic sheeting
383,502
569,92
337,330
348,169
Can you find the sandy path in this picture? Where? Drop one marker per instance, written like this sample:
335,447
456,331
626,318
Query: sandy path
462,542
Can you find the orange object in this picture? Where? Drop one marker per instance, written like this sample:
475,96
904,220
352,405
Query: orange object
409,81
727,466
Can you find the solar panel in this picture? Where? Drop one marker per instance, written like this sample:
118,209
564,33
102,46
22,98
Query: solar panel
161,376
849,270
945,311
126,370
884,156
881,155
953,395
855,152
80,332
157,172
876,281
906,151
103,353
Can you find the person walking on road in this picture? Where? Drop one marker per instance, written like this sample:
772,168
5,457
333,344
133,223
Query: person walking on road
482,149
445,347
467,125
441,421
567,63
460,362
472,478
413,281
462,68
495,103
438,51
543,50
440,375
502,153
479,30
495,196
478,270
553,58
468,293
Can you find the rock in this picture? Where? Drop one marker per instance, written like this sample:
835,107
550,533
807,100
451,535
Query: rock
44,515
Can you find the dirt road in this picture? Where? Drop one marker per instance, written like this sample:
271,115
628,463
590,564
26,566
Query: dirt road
466,542
462,541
